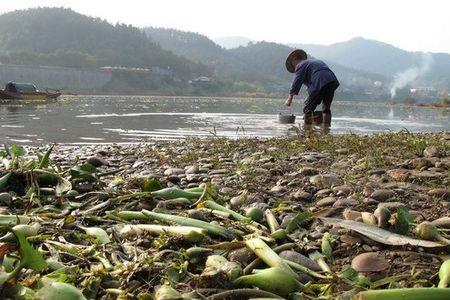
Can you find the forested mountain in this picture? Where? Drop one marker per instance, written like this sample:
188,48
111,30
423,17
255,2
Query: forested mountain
62,37
260,63
198,48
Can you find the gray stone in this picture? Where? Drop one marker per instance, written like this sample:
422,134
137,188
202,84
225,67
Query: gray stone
345,202
97,161
301,195
342,190
440,193
392,205
278,189
399,174
219,172
325,180
431,151
308,171
382,195
192,170
327,201
370,201
173,171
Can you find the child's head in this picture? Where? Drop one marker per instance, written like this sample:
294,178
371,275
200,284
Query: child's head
294,58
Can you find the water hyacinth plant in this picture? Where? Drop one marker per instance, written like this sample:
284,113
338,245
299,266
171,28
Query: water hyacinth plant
109,222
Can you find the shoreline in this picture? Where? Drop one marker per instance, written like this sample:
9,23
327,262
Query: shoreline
338,176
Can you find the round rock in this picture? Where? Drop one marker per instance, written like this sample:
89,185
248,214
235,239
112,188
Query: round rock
382,195
97,161
370,262
173,171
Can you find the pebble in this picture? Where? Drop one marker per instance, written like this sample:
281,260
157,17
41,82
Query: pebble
382,195
399,174
192,170
325,180
219,172
420,162
345,202
323,192
327,201
367,191
278,189
370,201
366,248
173,171
301,195
349,214
97,161
342,151
350,240
226,190
308,171
431,151
343,190
392,205
370,262
440,193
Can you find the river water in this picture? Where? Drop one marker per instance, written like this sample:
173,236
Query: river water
128,119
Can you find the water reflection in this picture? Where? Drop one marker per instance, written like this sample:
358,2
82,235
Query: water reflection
106,119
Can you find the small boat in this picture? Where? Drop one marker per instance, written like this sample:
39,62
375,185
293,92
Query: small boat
27,91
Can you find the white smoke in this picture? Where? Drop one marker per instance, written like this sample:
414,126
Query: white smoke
401,79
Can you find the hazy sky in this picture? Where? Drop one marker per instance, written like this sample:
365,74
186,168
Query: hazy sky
409,24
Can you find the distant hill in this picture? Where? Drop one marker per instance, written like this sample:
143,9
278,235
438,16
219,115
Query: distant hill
62,37
268,58
230,42
199,48
381,58
195,47
261,62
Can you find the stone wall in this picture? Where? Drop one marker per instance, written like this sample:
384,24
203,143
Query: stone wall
66,79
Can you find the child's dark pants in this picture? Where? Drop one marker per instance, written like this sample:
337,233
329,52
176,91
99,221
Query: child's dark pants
324,96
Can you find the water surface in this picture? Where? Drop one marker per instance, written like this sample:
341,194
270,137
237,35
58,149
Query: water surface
126,119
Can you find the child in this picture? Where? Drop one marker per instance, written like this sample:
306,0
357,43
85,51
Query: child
318,78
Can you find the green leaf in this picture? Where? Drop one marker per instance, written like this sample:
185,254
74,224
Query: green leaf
59,291
355,277
98,233
151,185
4,180
17,151
404,219
299,220
85,172
29,257
88,168
175,272
44,161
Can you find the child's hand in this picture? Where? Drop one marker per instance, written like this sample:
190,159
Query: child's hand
289,100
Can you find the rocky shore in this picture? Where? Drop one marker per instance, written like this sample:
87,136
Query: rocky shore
346,207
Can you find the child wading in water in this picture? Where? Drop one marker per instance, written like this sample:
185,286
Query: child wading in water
319,80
